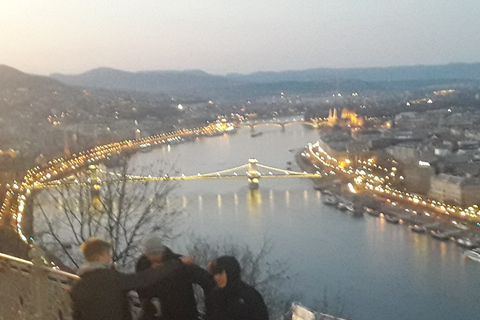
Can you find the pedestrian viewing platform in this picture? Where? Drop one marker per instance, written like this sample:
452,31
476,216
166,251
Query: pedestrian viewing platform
31,290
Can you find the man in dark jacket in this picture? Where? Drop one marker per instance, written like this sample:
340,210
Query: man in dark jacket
175,294
233,299
101,291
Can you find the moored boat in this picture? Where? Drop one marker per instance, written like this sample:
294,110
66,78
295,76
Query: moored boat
350,207
392,219
358,212
473,254
418,228
329,199
256,134
465,242
373,213
439,235
231,129
342,206
146,147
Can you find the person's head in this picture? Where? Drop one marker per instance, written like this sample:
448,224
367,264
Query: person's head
225,270
154,250
97,250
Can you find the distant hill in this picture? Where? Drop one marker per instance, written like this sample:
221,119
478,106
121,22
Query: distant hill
11,78
403,73
202,84
192,81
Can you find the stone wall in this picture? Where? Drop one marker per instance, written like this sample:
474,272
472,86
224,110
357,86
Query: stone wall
33,291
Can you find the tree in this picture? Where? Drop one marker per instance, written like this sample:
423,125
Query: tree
258,270
116,210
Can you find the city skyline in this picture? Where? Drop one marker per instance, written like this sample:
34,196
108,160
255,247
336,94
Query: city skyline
221,37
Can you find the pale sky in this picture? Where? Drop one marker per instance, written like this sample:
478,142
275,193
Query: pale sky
223,36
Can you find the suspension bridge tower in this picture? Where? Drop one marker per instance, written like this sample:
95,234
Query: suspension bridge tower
252,174
95,188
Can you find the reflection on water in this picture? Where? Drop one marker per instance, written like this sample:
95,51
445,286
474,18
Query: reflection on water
200,203
185,202
287,198
380,270
219,203
254,202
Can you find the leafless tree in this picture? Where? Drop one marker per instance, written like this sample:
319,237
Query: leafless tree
119,211
269,276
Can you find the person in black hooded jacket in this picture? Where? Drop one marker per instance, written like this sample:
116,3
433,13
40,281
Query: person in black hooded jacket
173,297
233,299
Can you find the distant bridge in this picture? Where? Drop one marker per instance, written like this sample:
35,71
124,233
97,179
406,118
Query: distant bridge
313,123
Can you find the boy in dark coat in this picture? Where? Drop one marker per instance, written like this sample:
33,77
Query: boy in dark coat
101,291
233,299
174,294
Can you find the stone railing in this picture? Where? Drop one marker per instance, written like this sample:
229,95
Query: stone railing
30,290
299,312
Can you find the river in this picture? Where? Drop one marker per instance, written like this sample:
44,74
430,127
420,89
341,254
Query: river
374,269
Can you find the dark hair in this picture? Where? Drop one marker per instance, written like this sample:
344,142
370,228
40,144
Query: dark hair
230,265
214,268
95,247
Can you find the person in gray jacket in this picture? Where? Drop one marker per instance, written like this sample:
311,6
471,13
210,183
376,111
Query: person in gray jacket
101,291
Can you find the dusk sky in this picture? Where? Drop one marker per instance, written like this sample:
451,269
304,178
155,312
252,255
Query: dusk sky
224,36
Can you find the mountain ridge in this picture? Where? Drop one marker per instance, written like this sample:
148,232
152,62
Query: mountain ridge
11,78
202,84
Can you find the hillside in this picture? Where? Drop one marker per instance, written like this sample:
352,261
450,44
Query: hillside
40,116
13,79
456,71
178,82
248,86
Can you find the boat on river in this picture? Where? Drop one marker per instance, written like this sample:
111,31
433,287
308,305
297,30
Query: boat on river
392,219
350,207
146,147
357,211
329,199
439,235
342,206
372,212
215,133
256,134
418,228
473,254
465,242
231,129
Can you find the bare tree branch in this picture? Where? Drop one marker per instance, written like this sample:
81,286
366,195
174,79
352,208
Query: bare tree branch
126,212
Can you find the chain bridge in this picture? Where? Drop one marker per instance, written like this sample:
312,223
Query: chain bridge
252,172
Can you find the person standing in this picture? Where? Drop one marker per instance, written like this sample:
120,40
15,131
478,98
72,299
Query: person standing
233,299
171,298
101,291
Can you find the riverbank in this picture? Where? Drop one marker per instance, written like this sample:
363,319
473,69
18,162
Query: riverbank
419,219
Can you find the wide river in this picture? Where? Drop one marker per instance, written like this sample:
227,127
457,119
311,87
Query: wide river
379,270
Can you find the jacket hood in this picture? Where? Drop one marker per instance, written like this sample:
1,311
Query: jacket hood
232,269
90,266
